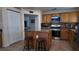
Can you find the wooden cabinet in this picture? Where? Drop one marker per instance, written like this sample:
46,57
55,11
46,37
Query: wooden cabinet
70,17
43,18
67,35
64,34
73,17
71,36
56,14
64,18
46,18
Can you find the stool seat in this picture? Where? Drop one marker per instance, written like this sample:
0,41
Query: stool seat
41,39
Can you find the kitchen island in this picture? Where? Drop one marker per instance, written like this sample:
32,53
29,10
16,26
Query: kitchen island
45,33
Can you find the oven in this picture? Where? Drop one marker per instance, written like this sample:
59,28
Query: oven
55,29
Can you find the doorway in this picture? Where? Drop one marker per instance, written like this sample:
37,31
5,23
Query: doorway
30,22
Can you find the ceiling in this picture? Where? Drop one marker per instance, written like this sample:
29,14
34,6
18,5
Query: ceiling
46,9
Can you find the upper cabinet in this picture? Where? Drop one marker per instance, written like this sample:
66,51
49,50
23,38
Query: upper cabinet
64,17
70,17
73,17
43,18
55,14
46,18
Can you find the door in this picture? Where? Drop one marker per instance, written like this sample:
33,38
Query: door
44,19
48,18
14,27
64,34
73,17
65,18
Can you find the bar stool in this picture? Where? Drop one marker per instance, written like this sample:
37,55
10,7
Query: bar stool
28,42
41,44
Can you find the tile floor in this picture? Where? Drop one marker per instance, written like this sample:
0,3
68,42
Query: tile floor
60,45
57,45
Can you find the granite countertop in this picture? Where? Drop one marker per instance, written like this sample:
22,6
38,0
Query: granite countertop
73,30
42,30
45,30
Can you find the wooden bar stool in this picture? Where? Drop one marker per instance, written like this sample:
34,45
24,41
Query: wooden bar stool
28,42
41,44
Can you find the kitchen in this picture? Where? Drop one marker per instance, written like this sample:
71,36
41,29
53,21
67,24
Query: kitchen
39,27
61,25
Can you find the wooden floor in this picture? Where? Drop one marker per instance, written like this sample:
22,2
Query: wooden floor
57,45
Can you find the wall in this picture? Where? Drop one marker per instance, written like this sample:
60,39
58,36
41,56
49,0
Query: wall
29,24
0,18
39,18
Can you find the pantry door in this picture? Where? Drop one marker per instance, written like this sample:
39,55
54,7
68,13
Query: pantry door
14,27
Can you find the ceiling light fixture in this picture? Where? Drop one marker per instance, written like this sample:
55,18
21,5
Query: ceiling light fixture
54,9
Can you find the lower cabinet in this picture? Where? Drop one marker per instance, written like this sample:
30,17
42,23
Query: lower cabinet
71,36
67,35
64,34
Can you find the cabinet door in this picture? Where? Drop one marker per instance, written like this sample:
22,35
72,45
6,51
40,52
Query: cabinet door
43,18
64,34
73,17
46,18
71,36
65,17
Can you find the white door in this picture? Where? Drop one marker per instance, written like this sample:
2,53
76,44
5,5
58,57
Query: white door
13,26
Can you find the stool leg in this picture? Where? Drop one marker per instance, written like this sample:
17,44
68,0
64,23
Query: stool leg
28,44
41,43
44,47
38,46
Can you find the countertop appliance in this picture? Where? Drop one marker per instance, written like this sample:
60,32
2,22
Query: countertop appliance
55,27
